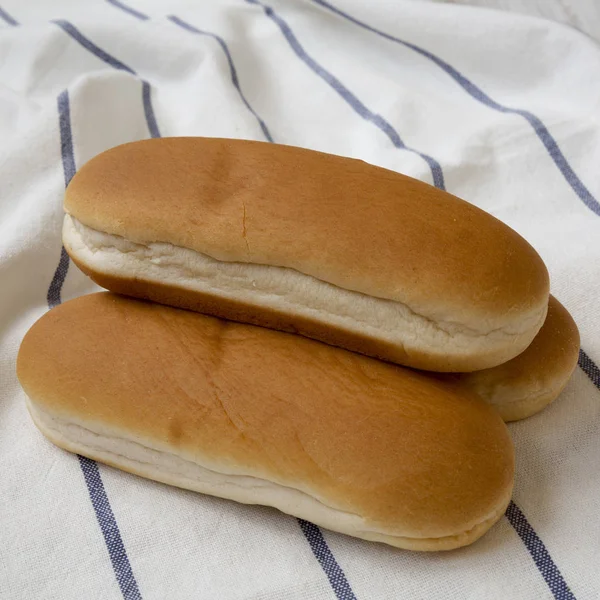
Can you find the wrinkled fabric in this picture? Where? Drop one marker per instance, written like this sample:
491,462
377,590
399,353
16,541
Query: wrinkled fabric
501,110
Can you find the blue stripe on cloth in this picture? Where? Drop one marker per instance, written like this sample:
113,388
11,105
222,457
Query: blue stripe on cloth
66,137
110,529
68,161
75,34
539,553
91,473
7,18
232,70
91,47
330,566
128,9
589,367
53,296
348,96
538,126
148,110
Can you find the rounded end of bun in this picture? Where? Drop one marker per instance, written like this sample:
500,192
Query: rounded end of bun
529,382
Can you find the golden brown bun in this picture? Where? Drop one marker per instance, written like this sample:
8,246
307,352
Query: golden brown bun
526,384
259,416
472,291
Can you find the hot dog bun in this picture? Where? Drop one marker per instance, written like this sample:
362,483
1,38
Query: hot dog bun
259,416
528,383
297,240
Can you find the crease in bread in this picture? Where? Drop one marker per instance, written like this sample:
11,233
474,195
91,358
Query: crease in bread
295,295
326,246
259,416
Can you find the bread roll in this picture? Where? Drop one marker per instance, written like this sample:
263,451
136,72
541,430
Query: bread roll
526,384
259,416
329,247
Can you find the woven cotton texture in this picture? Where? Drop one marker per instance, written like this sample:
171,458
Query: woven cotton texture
501,110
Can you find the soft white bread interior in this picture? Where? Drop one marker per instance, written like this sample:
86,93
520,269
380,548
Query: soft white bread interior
330,247
526,384
353,444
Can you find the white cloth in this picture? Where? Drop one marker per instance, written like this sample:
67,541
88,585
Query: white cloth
309,77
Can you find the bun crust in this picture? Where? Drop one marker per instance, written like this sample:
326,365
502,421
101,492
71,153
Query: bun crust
259,416
447,265
526,384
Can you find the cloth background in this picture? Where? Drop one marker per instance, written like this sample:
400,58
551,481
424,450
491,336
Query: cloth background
499,109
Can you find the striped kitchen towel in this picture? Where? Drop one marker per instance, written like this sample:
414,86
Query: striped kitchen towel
501,110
